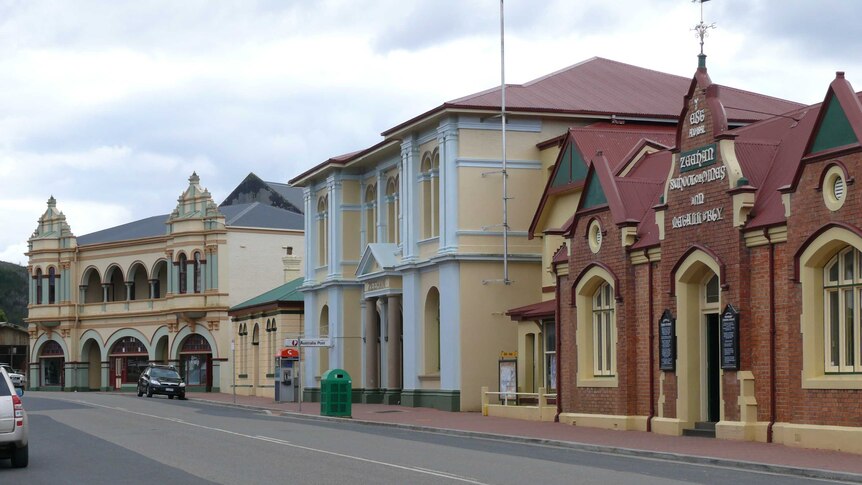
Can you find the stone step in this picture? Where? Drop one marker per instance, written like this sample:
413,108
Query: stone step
705,425
700,433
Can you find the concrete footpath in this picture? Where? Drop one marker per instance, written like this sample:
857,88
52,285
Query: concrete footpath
766,457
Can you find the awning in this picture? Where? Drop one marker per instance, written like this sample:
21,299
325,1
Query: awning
534,311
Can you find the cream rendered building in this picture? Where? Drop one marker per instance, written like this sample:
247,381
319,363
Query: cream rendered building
105,304
405,243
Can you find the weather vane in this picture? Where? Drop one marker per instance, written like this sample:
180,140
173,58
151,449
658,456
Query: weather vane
702,28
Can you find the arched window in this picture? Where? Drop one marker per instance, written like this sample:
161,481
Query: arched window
430,183
52,286
38,279
603,331
842,291
255,335
432,332
392,210
322,230
371,214
197,275
183,261
323,331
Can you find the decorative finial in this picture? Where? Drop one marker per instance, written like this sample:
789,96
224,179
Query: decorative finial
194,178
701,31
52,202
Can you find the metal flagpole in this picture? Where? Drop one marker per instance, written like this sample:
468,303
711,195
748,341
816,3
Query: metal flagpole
503,132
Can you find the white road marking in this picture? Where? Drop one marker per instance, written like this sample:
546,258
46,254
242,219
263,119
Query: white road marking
287,443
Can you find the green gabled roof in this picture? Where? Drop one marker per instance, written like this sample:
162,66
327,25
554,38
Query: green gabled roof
834,130
595,195
288,292
571,168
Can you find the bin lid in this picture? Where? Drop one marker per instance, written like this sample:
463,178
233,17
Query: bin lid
335,375
288,352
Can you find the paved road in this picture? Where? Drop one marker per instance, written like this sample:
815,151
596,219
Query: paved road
97,438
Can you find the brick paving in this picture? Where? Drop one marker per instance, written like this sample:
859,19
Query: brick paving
758,455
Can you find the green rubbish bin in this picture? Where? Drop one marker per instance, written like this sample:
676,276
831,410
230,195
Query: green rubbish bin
335,393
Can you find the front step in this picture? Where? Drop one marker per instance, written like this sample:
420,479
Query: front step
703,429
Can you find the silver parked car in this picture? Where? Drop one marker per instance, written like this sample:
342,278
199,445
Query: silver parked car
13,422
18,379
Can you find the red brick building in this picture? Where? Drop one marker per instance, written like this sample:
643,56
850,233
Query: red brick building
715,287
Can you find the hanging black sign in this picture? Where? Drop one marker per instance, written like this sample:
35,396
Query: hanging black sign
667,341
730,338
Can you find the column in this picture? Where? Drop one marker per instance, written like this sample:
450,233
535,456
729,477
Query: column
409,211
153,288
372,357
336,237
310,232
82,294
105,287
190,276
393,309
129,290
447,138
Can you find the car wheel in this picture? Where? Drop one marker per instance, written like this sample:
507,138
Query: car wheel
149,391
140,392
182,397
20,457
170,396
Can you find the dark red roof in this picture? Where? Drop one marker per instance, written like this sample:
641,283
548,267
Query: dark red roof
601,86
619,144
534,311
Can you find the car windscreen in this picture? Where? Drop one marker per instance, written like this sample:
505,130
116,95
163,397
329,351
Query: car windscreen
163,373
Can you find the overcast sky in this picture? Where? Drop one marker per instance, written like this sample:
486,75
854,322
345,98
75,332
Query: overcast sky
109,106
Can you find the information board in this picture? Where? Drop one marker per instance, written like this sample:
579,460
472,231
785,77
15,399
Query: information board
730,338
508,380
667,341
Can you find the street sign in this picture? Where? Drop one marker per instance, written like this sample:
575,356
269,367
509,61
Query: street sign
307,342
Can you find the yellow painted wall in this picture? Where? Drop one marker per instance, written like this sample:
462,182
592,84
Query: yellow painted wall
485,329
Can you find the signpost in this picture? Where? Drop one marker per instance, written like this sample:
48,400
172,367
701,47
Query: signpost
305,342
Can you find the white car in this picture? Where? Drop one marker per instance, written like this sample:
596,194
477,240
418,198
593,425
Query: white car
13,422
18,380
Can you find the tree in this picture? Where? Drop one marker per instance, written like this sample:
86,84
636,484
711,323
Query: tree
2,315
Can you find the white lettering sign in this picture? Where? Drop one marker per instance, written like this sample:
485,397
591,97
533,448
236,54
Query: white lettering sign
709,175
696,218
695,159
307,342
697,199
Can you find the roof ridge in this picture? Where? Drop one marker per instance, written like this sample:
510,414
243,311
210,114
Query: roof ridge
598,58
241,213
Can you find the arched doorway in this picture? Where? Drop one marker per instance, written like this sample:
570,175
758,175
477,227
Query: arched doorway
698,291
196,362
128,358
51,360
92,354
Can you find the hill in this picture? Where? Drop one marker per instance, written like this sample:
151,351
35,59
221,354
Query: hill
13,292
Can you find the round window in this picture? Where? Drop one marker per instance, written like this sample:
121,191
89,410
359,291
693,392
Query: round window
834,187
595,236
838,188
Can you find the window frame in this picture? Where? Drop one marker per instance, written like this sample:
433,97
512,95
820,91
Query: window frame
847,353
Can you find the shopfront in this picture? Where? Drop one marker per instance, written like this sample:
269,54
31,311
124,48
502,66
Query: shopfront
128,357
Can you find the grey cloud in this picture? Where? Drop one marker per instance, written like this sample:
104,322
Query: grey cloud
823,28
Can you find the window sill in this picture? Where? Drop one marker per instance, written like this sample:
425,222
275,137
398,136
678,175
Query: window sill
837,381
428,240
429,377
592,381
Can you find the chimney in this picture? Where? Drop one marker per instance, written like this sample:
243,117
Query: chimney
292,265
